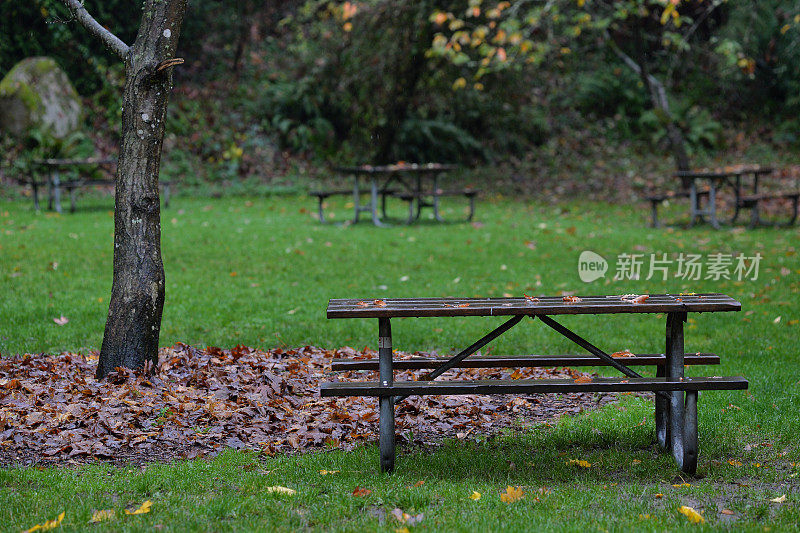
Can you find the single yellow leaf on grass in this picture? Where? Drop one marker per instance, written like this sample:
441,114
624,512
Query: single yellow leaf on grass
512,494
281,490
144,509
579,462
779,499
402,530
636,462
693,516
102,516
475,495
50,524
682,485
328,472
734,462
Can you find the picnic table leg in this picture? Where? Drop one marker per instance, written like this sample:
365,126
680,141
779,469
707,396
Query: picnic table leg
71,198
694,208
373,202
662,411
386,403
737,191
356,207
35,186
436,215
712,205
57,191
682,423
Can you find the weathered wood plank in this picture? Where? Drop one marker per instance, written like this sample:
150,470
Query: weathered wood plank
545,305
522,361
531,386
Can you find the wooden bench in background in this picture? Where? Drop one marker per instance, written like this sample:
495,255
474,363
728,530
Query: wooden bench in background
431,199
658,198
752,202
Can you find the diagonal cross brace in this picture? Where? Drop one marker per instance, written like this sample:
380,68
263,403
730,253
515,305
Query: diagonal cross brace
594,350
474,347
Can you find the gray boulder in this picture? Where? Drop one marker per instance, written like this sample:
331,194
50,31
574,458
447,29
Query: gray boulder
36,93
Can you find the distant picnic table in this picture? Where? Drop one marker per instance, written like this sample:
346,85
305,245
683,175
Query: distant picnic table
52,169
675,395
417,184
706,185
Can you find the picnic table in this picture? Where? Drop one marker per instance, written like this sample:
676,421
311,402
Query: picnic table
743,180
417,184
52,169
676,395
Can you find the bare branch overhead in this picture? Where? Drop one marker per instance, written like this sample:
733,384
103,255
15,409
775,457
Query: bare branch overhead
95,28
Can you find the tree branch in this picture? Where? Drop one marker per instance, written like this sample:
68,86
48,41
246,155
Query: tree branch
95,28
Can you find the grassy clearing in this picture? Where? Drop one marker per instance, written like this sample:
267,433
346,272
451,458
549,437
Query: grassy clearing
259,272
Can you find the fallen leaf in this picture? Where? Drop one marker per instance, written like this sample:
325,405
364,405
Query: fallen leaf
102,516
727,512
531,299
419,483
693,516
144,509
623,353
659,495
635,462
572,299
583,379
734,462
61,320
779,499
405,518
50,524
475,495
328,472
579,462
379,303
512,494
277,489
402,530
678,485
360,491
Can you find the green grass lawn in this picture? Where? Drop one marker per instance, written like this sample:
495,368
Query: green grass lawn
259,272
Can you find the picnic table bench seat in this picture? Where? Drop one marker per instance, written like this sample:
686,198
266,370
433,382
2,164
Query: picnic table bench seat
323,195
531,386
658,198
421,196
676,396
752,201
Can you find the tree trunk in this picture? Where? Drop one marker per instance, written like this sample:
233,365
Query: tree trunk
660,102
137,294
410,65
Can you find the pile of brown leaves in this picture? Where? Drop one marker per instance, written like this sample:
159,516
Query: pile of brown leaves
201,401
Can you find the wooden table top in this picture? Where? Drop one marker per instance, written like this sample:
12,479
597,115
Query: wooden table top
738,170
543,305
397,168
